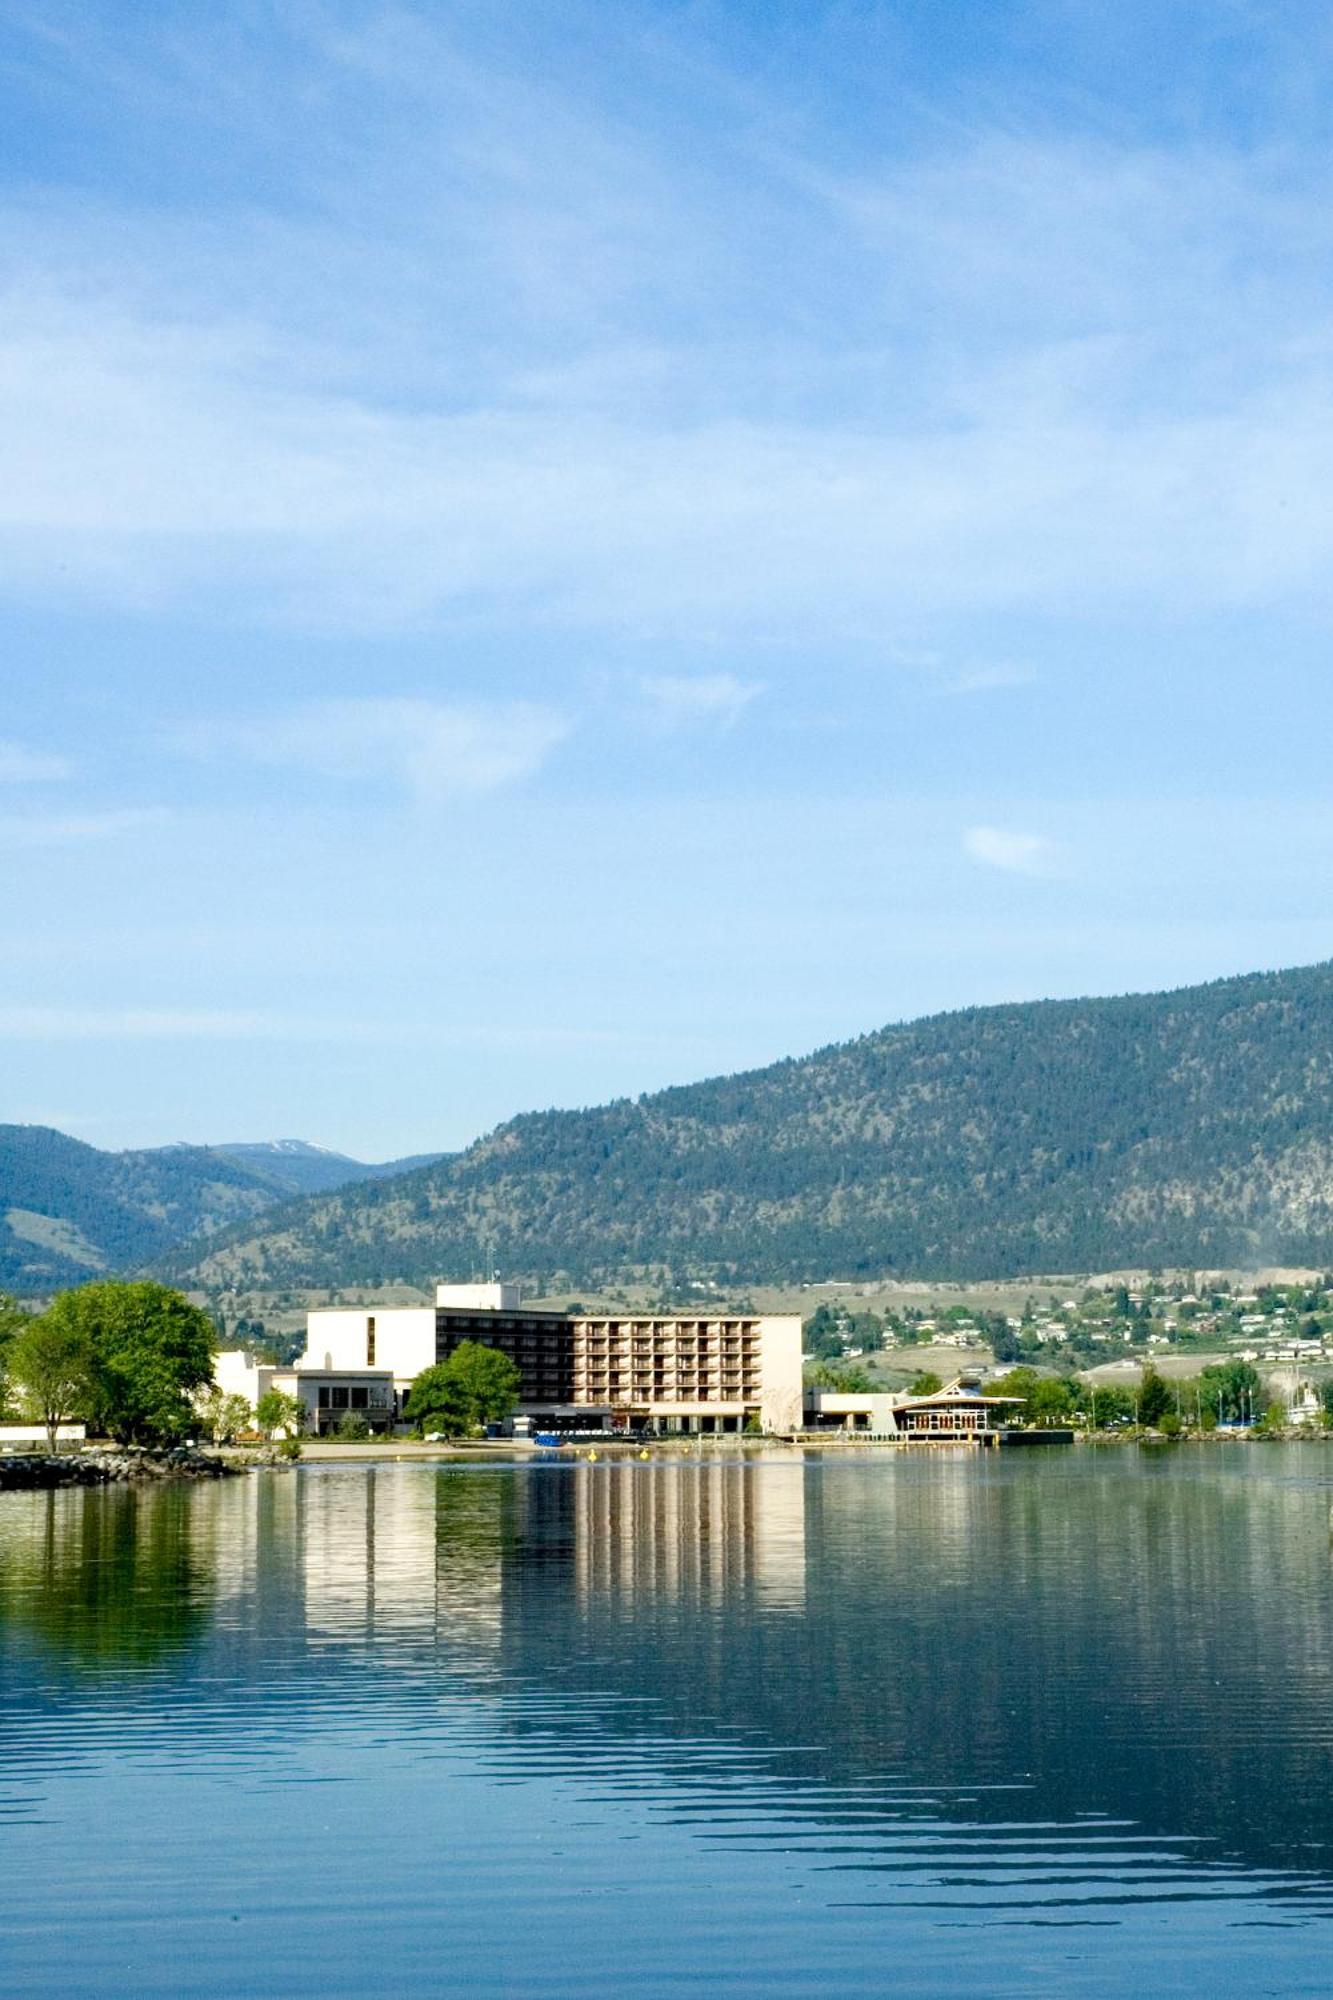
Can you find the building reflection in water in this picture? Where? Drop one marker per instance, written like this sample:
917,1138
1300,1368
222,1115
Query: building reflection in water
700,1534
444,1559
1149,1639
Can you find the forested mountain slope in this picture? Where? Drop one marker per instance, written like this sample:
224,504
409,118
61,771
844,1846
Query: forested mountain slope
1176,1128
68,1211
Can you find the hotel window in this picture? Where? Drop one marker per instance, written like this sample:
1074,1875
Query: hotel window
370,1342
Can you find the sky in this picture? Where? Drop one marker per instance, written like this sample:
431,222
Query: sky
555,549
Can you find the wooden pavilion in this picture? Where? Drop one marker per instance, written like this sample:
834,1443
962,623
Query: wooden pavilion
958,1413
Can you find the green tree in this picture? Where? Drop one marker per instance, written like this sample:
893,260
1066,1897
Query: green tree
824,1333
55,1367
1020,1382
476,1385
13,1319
848,1377
866,1331
277,1411
926,1383
1110,1405
1051,1401
1155,1397
434,1403
1048,1399
151,1348
1229,1388
224,1416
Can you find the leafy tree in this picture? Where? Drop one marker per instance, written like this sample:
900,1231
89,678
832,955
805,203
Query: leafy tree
1020,1382
224,1415
476,1385
926,1383
866,1331
13,1319
1052,1400
844,1376
150,1349
352,1428
1109,1405
434,1403
1049,1399
1229,1388
1155,1398
824,1333
55,1366
277,1411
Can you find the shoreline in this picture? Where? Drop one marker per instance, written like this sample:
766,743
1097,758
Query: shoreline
111,1465
108,1465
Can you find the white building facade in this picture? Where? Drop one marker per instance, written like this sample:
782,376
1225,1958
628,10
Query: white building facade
705,1373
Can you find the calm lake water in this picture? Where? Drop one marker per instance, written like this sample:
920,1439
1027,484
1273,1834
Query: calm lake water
1014,1723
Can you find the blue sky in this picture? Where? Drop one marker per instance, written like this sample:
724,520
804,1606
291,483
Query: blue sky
550,550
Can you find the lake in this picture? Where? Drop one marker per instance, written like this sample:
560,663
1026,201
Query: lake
937,1723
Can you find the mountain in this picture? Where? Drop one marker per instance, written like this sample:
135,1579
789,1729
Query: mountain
1193,1127
305,1169
296,1165
69,1211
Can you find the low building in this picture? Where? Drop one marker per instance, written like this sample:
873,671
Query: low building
957,1412
327,1395
870,1413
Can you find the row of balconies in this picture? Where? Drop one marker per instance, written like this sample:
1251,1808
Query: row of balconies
706,1353
667,1385
618,1366
668,1392
672,1330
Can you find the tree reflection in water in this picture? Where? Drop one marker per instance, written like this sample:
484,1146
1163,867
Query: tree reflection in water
112,1576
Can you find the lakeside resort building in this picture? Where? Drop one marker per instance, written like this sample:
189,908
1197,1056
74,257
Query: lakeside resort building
640,1374
698,1374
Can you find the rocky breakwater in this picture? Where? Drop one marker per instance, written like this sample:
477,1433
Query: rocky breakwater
109,1465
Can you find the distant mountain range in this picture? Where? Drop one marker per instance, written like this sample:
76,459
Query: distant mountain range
69,1211
305,1169
1185,1128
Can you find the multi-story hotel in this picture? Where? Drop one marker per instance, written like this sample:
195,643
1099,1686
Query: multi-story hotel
694,1372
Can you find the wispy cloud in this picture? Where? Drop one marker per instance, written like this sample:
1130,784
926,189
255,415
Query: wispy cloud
678,701
74,829
990,676
143,1024
208,1024
21,766
1015,853
607,406
434,750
